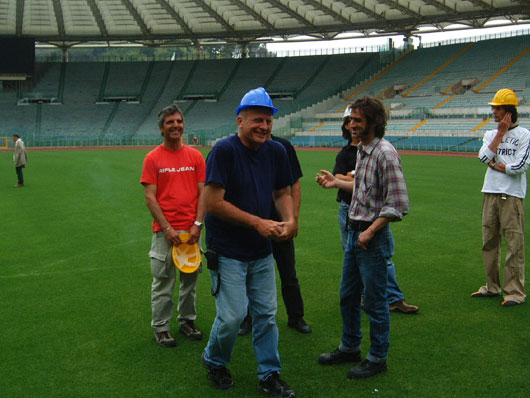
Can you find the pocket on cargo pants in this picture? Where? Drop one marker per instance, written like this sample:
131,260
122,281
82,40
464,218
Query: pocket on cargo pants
159,253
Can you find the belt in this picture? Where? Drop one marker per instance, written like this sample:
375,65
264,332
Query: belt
359,225
502,195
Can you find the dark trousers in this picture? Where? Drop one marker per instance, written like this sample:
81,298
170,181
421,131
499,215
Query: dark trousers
283,253
20,175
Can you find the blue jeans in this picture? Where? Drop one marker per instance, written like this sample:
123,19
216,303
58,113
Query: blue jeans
249,284
394,293
368,268
343,222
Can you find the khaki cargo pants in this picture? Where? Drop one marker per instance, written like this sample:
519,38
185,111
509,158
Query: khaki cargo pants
503,215
164,276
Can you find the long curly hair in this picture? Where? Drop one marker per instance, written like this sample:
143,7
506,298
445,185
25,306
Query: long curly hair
374,112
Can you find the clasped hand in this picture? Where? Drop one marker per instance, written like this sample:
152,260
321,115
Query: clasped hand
277,230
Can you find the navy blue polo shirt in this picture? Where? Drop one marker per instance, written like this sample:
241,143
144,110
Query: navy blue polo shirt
249,179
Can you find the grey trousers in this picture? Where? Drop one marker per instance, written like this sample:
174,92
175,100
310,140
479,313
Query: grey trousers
164,276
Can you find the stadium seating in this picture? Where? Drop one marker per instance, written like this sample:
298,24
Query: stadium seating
437,97
424,97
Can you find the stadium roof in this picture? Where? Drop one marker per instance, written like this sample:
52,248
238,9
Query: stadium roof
196,22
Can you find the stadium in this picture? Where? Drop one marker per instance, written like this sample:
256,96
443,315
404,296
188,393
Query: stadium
87,75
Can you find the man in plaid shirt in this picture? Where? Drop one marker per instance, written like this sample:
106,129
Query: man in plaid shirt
380,197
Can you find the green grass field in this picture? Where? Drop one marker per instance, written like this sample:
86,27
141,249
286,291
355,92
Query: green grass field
75,290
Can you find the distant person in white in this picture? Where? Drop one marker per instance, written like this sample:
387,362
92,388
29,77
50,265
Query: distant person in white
506,150
20,158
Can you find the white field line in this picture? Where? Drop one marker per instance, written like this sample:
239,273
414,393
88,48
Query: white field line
45,266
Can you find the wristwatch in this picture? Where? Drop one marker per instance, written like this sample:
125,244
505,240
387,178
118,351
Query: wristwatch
199,224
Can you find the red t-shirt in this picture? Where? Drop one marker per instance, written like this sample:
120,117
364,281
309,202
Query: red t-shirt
176,175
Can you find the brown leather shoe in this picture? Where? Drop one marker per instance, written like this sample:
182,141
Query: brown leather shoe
190,330
165,340
404,307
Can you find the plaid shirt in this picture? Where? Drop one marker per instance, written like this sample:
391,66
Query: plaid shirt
380,188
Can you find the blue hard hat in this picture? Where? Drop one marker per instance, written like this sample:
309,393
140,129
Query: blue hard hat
256,97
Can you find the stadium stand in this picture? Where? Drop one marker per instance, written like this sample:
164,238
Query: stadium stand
435,93
437,97
171,78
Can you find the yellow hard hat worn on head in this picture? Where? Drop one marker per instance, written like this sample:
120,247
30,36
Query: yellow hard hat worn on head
187,258
504,96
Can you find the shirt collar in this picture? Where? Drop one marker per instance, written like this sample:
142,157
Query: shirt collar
370,147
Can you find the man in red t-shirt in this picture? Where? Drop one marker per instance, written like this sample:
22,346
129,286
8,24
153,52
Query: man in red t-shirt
173,178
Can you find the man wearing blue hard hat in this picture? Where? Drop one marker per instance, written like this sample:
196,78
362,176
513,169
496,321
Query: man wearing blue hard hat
247,174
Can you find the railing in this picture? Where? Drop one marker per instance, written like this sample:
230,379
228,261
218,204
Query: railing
72,142
194,55
472,39
445,144
333,51
424,143
203,138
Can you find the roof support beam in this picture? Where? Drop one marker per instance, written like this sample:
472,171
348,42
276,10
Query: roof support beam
59,17
440,6
293,14
20,17
394,4
251,11
482,4
216,16
363,9
99,19
328,10
175,15
143,27
178,19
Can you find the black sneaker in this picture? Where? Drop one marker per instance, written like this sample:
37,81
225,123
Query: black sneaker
336,357
274,385
219,376
367,369
300,325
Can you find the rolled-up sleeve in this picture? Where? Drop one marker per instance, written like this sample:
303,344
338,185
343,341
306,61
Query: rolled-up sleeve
395,192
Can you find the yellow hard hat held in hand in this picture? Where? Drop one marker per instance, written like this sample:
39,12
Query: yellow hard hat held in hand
187,258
